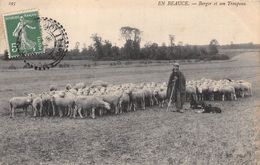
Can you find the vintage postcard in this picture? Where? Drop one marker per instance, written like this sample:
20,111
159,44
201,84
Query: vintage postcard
130,82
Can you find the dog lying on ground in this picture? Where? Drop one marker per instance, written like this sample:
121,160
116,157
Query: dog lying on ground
202,105
209,109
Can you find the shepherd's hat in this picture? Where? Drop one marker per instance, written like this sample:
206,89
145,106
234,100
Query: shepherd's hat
176,64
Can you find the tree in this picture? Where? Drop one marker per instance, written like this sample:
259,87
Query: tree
98,46
213,47
75,51
172,39
77,45
132,37
107,49
172,45
84,50
131,33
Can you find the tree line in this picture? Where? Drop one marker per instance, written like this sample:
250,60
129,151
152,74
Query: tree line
131,50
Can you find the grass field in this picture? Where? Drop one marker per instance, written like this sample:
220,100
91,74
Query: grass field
152,136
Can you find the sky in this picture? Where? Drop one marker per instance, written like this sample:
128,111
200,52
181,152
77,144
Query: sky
191,25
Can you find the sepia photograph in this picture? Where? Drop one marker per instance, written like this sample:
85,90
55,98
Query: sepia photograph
129,82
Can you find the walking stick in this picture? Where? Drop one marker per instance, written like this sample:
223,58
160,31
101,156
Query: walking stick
170,101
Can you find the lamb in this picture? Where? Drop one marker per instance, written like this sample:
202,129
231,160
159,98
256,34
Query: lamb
87,103
20,102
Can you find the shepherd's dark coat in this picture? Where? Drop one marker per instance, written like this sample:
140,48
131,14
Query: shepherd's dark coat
179,89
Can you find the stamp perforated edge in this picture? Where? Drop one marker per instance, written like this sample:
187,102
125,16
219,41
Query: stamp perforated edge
6,34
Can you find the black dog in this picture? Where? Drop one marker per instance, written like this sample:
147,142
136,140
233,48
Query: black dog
210,109
202,105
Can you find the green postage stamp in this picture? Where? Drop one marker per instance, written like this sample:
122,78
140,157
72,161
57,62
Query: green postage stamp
23,33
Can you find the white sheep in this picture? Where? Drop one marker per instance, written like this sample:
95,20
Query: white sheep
62,102
46,102
68,87
53,88
137,97
20,102
190,91
37,105
80,85
113,99
125,96
89,103
149,96
160,96
125,101
202,91
245,88
228,91
99,83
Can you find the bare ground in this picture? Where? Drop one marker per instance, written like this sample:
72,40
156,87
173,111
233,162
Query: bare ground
152,136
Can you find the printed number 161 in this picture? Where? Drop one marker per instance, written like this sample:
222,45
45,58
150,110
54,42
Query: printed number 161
12,3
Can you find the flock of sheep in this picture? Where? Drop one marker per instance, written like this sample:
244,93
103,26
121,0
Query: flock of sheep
102,98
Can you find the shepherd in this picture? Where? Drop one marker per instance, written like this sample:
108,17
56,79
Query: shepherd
177,85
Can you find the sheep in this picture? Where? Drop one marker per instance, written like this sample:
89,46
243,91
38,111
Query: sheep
53,88
20,102
113,99
190,91
68,87
87,103
46,102
73,91
149,96
228,91
126,96
211,92
137,96
62,102
52,95
245,88
37,105
160,96
79,86
71,95
125,101
99,83
202,91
